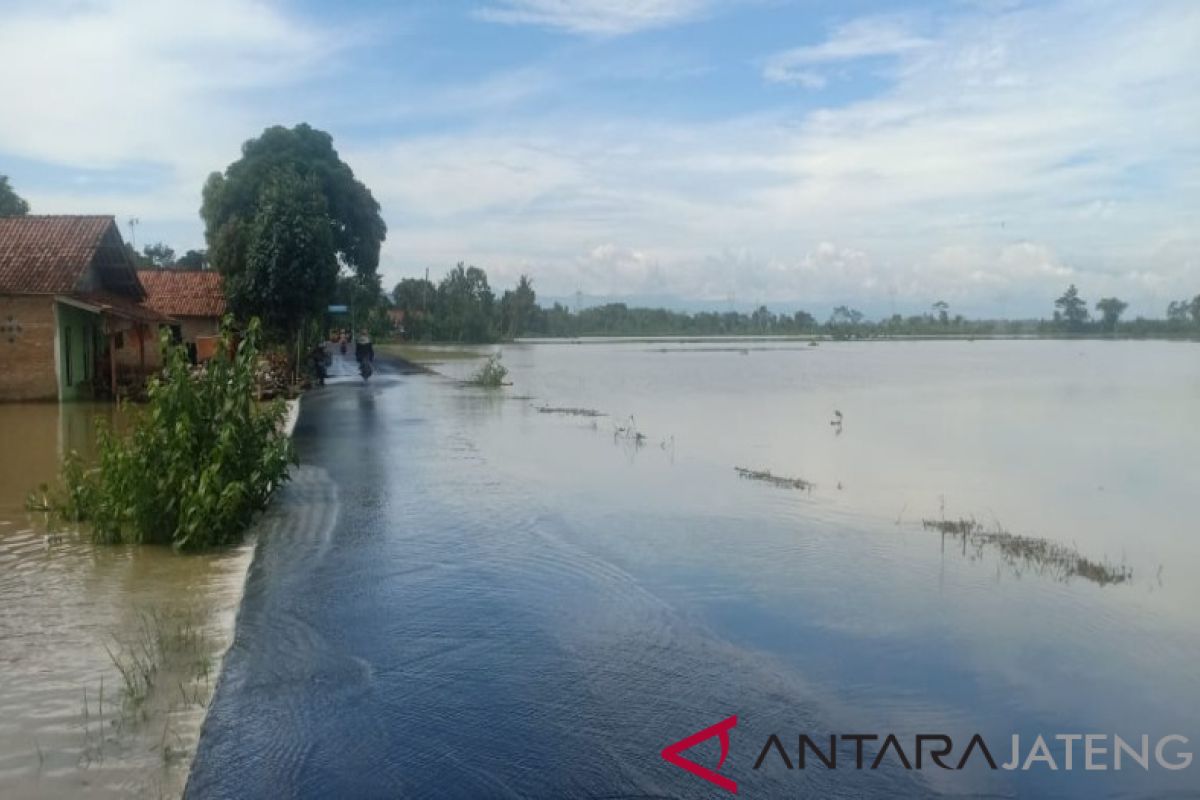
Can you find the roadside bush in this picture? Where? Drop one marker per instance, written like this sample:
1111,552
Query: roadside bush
200,459
492,373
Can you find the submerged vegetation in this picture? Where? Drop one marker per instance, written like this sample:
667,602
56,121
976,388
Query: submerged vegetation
199,461
491,374
570,412
1040,555
775,480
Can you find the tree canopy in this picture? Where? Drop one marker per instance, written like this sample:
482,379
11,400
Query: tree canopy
11,204
245,236
518,308
193,259
288,264
1071,309
1111,309
158,255
465,305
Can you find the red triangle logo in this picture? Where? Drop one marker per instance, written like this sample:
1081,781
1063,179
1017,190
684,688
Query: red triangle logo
672,753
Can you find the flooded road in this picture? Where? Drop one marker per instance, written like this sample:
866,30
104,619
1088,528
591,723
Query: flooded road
479,594
71,613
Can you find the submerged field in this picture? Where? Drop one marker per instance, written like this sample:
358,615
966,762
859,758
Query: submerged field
535,589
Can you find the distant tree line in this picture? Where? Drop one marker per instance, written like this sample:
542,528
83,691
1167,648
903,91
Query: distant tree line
293,231
463,308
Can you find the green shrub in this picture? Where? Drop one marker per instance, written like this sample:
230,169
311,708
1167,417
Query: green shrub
200,459
492,373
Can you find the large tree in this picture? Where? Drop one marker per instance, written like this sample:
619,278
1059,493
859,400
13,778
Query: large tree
301,159
158,255
1111,309
518,307
465,306
417,298
11,204
288,265
1071,309
193,259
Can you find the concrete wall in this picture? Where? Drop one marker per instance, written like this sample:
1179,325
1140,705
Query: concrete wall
27,348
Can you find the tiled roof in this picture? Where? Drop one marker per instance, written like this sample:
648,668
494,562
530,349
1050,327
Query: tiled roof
120,306
184,293
49,254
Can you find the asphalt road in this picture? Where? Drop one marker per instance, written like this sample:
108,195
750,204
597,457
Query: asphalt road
417,623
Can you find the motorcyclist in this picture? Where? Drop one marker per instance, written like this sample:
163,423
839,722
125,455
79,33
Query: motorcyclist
364,349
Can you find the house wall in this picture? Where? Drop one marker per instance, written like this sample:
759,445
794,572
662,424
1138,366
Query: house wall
27,348
129,357
191,327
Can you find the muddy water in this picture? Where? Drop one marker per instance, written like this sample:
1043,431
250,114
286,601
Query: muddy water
70,612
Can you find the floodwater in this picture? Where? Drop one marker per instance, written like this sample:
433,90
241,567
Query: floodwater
69,612
483,595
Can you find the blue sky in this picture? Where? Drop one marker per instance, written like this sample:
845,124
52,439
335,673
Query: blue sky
793,153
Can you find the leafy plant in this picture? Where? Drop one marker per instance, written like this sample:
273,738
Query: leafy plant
491,374
198,462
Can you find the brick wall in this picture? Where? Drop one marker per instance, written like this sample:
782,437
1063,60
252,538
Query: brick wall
191,327
129,357
27,328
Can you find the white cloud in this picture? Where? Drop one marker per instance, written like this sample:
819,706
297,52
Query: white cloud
595,17
861,38
1006,154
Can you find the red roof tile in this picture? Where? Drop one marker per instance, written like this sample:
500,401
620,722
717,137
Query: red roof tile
120,306
184,293
50,254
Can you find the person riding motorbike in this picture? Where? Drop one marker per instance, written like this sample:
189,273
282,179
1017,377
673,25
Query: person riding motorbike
364,351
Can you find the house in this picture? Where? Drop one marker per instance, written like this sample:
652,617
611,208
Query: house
194,299
72,323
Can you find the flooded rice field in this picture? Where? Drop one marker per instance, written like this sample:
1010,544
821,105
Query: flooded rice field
533,591
108,655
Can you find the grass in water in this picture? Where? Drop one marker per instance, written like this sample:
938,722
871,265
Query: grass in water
491,374
781,481
1040,555
570,412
